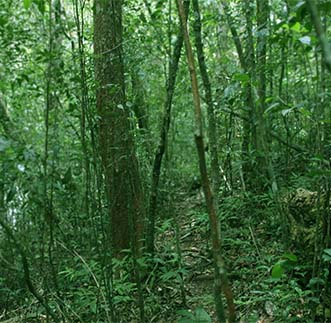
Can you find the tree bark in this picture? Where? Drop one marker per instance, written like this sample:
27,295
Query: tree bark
117,149
212,125
246,55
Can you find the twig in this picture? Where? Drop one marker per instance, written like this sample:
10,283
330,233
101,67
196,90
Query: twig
254,241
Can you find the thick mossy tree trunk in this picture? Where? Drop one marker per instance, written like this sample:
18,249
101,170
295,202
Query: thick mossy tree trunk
117,149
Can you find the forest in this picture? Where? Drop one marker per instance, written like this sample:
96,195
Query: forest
165,161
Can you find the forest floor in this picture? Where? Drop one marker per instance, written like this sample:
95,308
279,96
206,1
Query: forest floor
251,249
180,289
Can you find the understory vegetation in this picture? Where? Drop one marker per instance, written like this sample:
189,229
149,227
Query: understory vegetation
165,161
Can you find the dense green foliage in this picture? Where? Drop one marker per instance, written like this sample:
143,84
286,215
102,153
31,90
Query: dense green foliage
56,261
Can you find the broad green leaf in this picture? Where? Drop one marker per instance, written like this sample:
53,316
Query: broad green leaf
27,3
241,77
296,27
300,4
277,270
290,256
315,281
186,316
327,255
93,307
286,111
285,26
272,108
202,316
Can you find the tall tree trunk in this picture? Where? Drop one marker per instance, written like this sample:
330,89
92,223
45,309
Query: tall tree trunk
84,98
246,56
221,279
53,79
212,126
115,136
250,132
261,59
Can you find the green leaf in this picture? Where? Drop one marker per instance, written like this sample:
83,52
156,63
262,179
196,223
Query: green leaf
327,255
4,144
241,77
168,275
285,26
186,316
93,307
290,256
296,27
324,6
41,5
202,316
286,111
199,316
315,281
10,195
273,107
27,3
305,112
277,270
